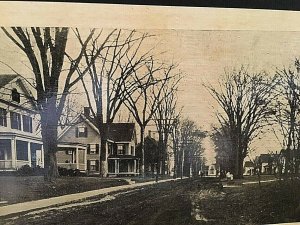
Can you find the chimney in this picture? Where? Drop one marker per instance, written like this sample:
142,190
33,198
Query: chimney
87,111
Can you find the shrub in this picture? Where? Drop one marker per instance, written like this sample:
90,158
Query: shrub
25,170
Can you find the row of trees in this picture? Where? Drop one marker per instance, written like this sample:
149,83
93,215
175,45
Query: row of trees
184,140
250,102
115,69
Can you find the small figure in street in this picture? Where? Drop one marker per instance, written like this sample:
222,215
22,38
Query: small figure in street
201,174
229,176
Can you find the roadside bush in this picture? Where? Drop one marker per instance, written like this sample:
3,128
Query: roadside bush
69,172
26,170
62,171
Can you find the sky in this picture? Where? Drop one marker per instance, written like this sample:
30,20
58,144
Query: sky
203,56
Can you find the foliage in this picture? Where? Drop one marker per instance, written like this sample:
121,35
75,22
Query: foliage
26,170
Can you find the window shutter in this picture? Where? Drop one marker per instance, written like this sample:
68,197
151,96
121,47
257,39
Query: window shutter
88,149
97,165
88,164
30,124
85,132
76,132
97,148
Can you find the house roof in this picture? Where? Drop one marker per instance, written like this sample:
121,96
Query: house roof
121,132
118,132
6,78
249,164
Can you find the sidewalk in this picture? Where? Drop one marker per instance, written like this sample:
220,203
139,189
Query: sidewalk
238,184
43,203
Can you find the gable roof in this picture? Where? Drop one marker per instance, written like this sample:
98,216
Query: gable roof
6,78
121,132
78,119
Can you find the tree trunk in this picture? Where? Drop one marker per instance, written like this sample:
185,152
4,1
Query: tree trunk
143,151
103,158
49,137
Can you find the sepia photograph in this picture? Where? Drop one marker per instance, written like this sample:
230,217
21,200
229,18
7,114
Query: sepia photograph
148,115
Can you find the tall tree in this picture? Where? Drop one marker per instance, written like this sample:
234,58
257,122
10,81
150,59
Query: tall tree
287,114
45,49
149,81
223,148
108,76
191,147
245,100
165,118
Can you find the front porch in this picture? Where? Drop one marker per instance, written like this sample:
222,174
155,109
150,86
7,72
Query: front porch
125,166
16,152
71,157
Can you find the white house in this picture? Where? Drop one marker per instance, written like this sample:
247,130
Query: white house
20,138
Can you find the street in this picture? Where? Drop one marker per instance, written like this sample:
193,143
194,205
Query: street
166,203
181,202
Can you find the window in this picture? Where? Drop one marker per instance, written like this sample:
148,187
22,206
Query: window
120,150
15,95
92,149
22,150
93,165
15,119
110,149
5,149
81,131
69,152
3,121
27,123
132,150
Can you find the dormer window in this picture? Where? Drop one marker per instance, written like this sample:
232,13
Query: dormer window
15,95
81,131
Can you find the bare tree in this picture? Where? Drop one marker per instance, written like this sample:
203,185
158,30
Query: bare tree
165,118
223,148
45,49
191,148
245,100
287,115
148,81
109,75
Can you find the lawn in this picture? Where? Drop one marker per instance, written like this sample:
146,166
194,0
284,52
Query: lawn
21,189
274,202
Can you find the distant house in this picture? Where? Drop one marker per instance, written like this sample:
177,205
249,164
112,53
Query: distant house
249,168
122,160
211,170
266,163
79,147
20,138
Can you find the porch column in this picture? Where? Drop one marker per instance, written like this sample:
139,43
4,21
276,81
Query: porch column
116,164
42,156
13,153
29,153
77,157
85,161
134,166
